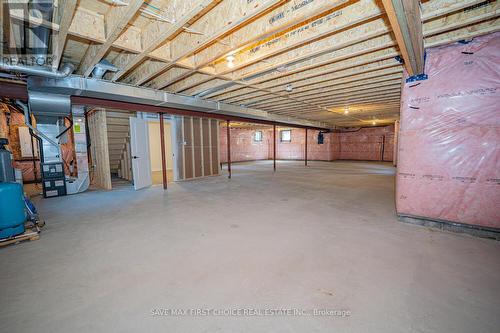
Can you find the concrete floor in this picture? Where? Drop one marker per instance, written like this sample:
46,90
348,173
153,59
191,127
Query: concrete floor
322,237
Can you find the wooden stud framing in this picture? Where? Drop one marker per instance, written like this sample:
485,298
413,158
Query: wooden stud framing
115,21
66,11
99,148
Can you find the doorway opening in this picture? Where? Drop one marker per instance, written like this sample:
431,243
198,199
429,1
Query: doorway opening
155,150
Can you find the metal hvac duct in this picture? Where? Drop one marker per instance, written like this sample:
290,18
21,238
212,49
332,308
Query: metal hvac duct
65,71
42,103
40,35
102,67
106,90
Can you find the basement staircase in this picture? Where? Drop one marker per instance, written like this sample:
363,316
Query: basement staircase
118,127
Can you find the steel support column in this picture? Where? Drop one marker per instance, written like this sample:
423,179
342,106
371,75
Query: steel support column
305,150
274,147
228,149
163,154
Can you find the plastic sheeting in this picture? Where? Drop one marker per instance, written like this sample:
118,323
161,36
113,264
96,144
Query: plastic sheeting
367,144
449,139
243,147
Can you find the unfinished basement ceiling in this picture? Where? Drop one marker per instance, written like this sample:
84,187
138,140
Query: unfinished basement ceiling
330,61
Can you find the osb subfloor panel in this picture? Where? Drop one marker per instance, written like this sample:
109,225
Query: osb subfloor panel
325,236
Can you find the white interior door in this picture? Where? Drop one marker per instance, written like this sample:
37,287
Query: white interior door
139,149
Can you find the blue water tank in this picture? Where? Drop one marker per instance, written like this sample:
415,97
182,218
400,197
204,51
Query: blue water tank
12,213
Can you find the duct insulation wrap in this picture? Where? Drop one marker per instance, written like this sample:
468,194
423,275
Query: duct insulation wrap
449,139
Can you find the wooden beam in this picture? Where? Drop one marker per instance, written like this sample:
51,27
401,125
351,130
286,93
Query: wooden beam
406,23
379,69
116,20
323,77
341,20
275,22
464,33
361,76
282,18
381,80
338,102
382,57
343,102
300,108
224,18
318,96
334,65
352,42
461,19
158,32
66,10
435,9
99,148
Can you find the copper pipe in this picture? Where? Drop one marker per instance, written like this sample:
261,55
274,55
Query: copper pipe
163,154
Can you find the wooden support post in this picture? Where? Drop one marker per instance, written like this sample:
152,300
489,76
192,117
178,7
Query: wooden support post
305,150
274,147
163,154
406,23
228,149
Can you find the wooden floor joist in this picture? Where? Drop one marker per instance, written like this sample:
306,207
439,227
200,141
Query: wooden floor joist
298,58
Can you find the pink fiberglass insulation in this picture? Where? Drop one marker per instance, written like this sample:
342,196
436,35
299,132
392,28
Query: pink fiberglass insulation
449,139
244,147
395,143
367,144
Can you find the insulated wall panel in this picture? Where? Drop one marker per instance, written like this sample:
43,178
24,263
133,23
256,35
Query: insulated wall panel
449,138
367,144
244,147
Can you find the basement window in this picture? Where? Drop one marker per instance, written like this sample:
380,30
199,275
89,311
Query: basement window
286,136
257,136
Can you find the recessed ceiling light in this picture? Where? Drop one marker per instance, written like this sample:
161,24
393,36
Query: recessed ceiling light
289,87
230,61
